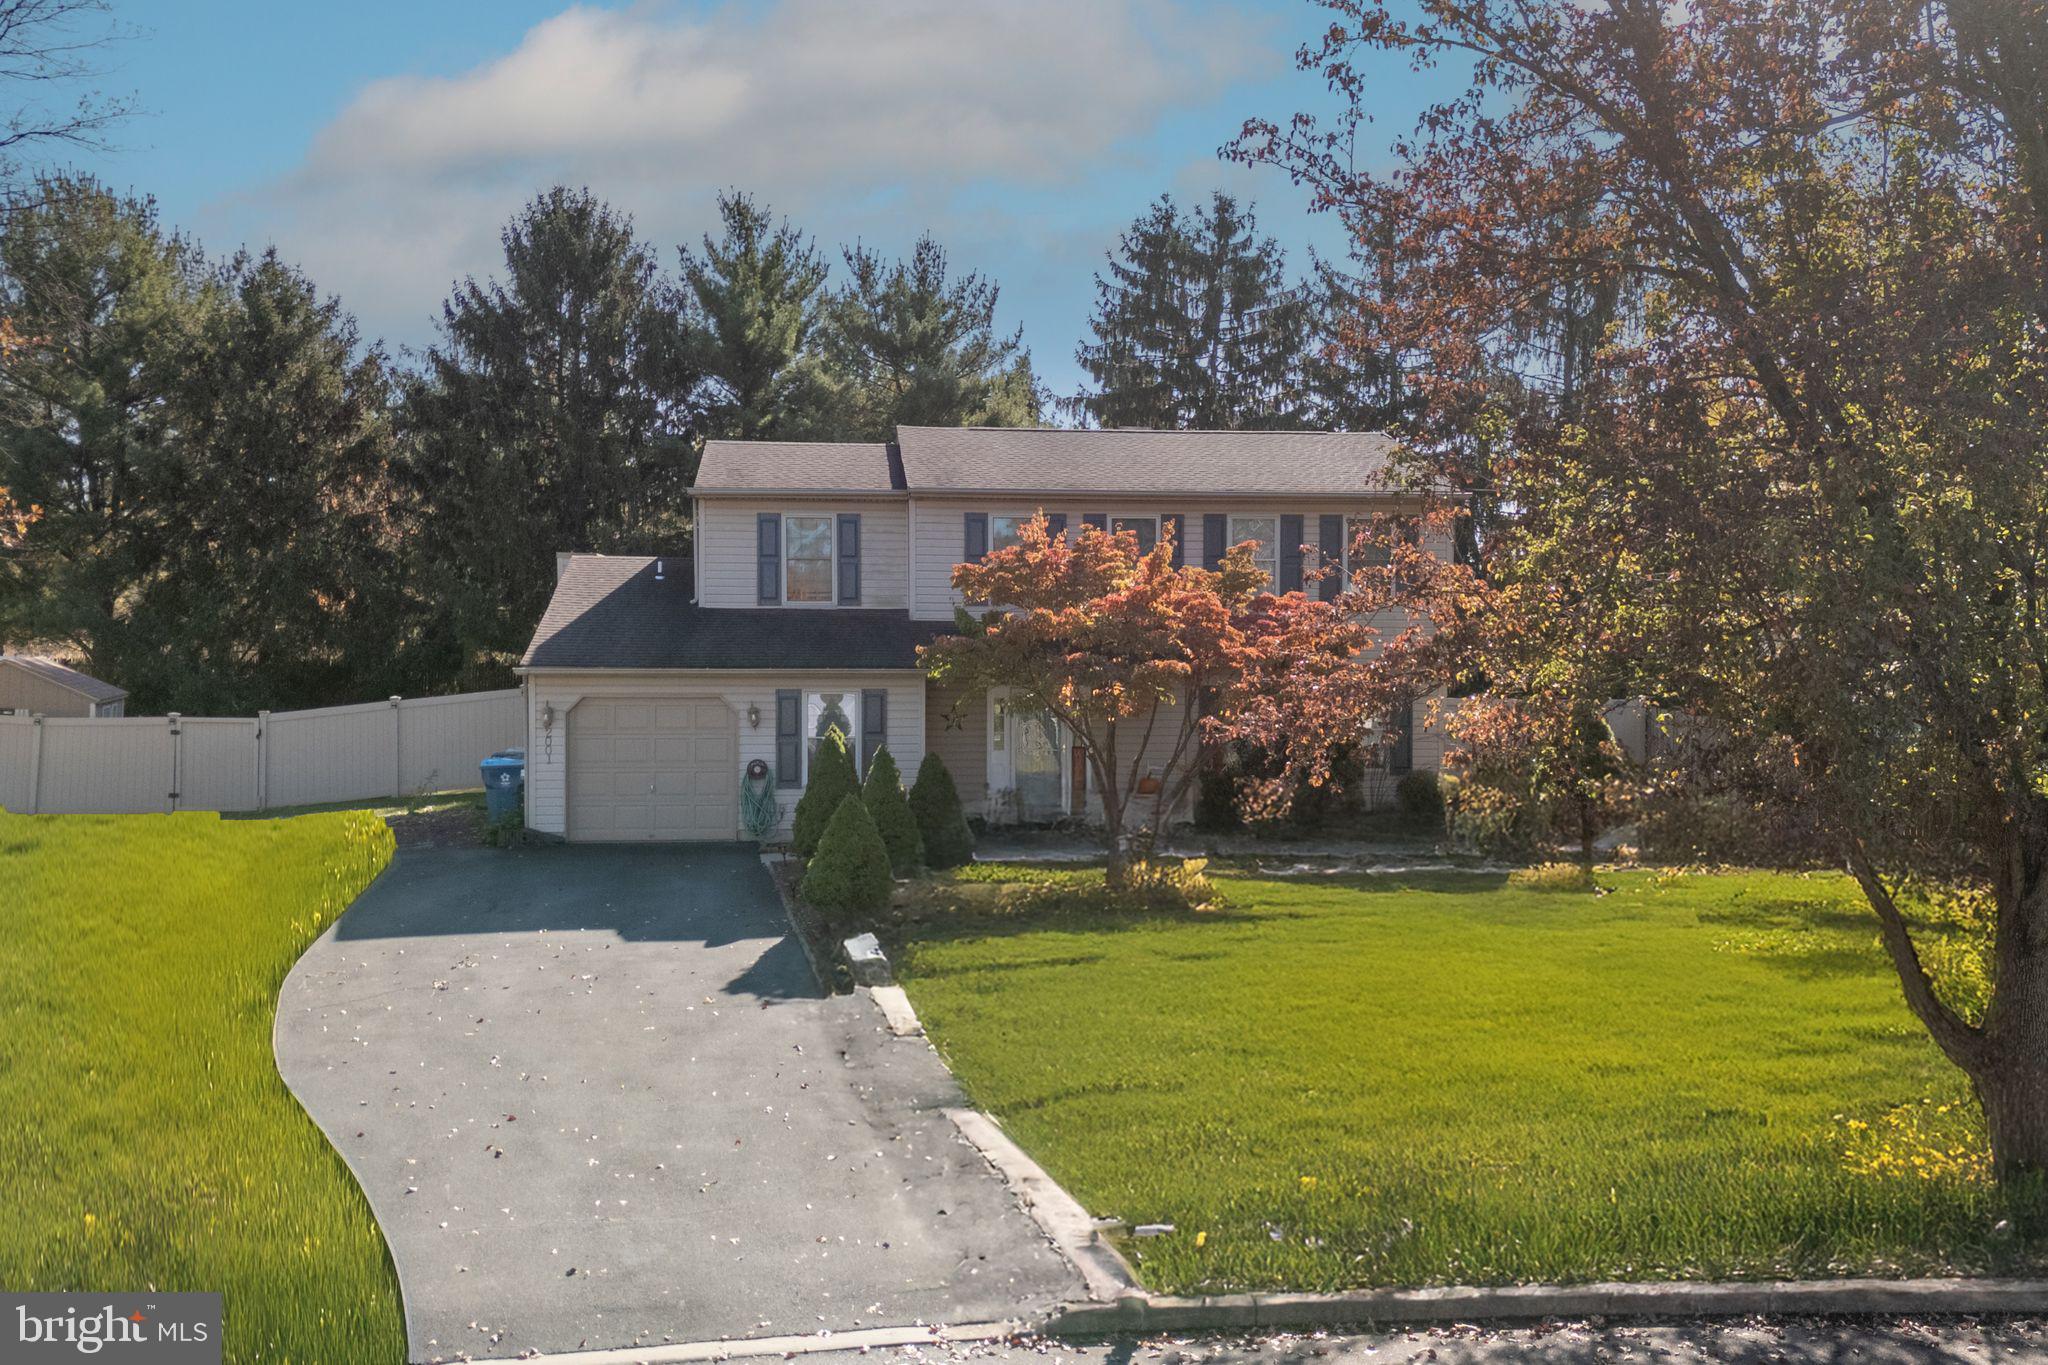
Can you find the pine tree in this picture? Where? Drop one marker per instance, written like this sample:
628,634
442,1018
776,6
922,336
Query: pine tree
884,798
758,296
941,823
832,780
552,416
850,874
1196,326
909,346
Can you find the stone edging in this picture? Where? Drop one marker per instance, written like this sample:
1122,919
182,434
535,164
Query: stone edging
802,921
1138,1312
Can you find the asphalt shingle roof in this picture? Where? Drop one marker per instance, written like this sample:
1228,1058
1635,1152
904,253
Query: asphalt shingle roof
608,611
1052,460
49,670
835,466
1037,459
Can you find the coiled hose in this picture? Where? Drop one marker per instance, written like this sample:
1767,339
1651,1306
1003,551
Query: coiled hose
760,812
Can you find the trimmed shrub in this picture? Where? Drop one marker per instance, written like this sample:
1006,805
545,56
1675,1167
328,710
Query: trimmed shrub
833,779
948,842
1421,799
890,808
849,876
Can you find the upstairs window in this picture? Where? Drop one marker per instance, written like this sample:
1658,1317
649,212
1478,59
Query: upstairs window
806,558
1376,555
1265,553
1145,528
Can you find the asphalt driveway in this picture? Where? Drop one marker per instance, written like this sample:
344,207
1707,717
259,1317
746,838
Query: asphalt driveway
596,1099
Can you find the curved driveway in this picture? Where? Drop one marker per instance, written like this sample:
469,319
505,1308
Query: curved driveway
596,1100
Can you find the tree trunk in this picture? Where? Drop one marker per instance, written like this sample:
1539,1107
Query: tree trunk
2013,1089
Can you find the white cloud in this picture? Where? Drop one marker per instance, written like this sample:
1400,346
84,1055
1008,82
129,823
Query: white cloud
874,120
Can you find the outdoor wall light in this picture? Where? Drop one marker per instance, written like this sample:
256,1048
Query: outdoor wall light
753,716
547,715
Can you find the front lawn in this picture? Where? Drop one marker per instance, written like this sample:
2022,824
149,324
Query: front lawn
1385,1080
146,1140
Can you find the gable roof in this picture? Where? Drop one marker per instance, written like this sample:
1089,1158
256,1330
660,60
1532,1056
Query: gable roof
70,679
609,611
799,467
1043,459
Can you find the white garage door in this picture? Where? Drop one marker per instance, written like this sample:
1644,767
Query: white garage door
653,768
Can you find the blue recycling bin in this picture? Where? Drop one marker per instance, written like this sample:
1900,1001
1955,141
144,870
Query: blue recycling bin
504,784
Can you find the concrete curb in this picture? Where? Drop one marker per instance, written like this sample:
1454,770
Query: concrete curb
1139,1311
859,1339
1057,1214
897,1012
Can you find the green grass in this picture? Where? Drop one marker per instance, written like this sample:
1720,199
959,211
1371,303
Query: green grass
146,1139
1348,1081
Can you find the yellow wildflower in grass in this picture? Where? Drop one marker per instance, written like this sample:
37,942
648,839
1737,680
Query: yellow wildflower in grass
1925,1141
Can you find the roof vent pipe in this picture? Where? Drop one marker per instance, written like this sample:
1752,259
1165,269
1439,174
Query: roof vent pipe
657,571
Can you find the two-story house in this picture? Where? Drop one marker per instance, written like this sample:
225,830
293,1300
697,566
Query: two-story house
818,568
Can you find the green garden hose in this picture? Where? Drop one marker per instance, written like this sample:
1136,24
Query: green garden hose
759,810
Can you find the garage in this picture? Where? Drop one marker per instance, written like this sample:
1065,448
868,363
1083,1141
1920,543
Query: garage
652,768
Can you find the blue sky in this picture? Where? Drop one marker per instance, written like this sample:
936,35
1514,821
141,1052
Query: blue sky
381,145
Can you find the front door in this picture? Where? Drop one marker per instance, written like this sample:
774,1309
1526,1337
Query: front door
1027,763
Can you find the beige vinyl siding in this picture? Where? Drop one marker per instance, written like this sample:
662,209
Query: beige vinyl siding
547,746
941,529
27,693
725,548
956,729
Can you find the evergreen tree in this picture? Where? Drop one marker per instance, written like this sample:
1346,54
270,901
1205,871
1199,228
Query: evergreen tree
106,305
758,294
552,416
832,780
941,822
909,346
282,581
850,874
1196,326
884,798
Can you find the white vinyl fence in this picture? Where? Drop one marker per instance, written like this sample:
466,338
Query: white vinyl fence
399,747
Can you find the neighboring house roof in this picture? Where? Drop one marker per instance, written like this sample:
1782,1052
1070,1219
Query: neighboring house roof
608,611
1033,460
1037,459
50,671
799,466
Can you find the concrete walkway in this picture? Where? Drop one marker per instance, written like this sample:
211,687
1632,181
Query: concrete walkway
596,1100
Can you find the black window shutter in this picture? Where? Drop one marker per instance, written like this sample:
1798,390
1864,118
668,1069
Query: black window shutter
977,537
849,559
1291,533
1055,525
1330,536
1215,530
789,739
1099,520
1401,756
874,725
1176,525
768,546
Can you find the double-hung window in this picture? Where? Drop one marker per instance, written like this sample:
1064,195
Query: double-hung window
1006,529
1265,531
1146,529
1376,553
806,558
825,711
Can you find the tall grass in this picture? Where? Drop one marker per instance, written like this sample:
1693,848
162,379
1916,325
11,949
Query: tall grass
146,1141
1372,1081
